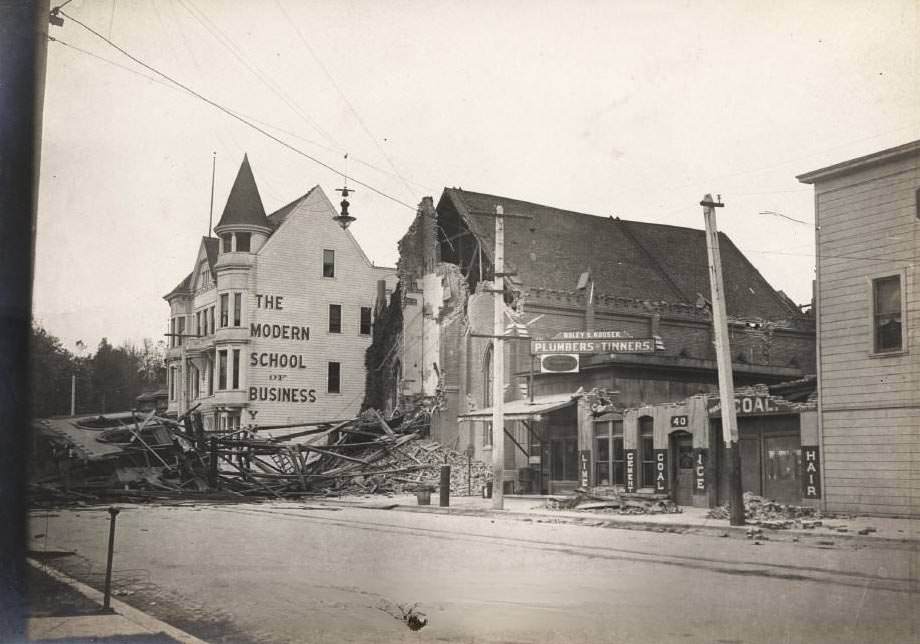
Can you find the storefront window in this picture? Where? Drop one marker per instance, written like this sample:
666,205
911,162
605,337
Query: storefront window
602,460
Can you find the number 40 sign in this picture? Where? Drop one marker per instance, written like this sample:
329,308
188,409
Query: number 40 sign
680,421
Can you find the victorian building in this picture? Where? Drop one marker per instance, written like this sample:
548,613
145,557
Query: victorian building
272,323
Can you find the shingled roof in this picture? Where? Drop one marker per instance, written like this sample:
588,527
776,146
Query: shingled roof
244,205
631,259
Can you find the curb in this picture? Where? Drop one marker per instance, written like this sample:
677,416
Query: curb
598,520
130,613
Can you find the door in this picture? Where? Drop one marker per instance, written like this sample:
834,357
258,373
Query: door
781,464
682,457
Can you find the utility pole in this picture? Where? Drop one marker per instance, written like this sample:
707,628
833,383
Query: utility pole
498,365
24,34
724,362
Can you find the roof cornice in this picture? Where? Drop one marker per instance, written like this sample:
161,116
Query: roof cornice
860,163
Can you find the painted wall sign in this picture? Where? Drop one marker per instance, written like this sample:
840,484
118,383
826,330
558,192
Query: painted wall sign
626,345
750,406
700,463
811,472
681,421
293,360
584,467
279,331
282,394
662,482
590,335
630,456
559,363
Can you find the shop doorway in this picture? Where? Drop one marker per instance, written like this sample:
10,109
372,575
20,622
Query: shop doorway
561,456
683,474
770,448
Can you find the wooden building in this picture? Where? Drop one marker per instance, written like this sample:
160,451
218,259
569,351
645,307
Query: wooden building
639,286
272,323
867,216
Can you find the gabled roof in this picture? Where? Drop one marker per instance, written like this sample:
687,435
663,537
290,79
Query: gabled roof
630,259
181,288
244,205
212,249
279,216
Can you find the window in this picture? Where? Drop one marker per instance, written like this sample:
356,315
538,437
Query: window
172,332
242,242
333,384
196,383
887,329
198,323
609,468
221,369
204,276
180,329
602,460
236,369
646,452
211,324
226,243
335,318
210,375
224,313
328,263
365,320
619,454
237,309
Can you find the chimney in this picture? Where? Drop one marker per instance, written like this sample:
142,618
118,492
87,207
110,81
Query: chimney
381,303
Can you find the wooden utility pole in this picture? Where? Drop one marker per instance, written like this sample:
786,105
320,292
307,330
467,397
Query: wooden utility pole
498,365
724,362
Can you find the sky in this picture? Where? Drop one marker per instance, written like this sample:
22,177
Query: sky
632,109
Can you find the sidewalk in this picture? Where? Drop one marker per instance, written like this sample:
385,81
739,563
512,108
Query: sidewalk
62,609
874,531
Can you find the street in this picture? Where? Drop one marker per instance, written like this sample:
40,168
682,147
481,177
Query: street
304,572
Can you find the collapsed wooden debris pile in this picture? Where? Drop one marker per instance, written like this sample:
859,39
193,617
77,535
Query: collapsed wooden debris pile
144,456
760,511
613,503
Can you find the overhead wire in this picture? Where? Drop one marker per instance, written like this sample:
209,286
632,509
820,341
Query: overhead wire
236,51
239,118
341,93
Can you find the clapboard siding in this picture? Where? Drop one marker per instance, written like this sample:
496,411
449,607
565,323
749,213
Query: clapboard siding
291,265
867,219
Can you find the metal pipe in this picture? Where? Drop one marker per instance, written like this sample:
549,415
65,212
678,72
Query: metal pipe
445,486
107,598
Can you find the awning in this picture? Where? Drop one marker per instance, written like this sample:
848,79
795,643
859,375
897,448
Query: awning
524,409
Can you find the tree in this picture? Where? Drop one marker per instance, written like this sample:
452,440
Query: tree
51,369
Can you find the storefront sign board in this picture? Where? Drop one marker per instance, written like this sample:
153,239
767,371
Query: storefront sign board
662,481
811,472
631,457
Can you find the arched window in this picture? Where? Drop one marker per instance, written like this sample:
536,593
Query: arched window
487,393
487,377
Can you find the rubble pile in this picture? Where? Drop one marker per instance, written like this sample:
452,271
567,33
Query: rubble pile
143,456
760,511
616,503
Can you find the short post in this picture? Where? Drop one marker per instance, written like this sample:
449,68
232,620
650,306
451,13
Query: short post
469,474
107,597
445,486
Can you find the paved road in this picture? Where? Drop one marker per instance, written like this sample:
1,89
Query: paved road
292,572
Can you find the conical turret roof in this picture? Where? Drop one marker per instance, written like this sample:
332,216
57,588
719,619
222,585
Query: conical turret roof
244,205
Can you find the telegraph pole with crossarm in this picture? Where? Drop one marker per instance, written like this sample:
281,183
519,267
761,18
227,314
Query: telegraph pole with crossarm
724,362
